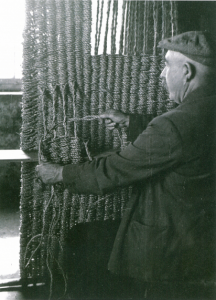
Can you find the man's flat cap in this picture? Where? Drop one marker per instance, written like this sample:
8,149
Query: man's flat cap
197,45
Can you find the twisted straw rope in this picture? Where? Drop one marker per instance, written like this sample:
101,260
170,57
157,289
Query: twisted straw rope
107,27
121,41
43,67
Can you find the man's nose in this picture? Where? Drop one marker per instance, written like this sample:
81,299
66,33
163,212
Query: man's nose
163,73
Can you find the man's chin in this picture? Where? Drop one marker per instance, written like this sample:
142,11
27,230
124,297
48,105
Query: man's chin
174,99
177,102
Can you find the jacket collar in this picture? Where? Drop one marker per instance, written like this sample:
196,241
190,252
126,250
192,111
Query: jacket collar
199,93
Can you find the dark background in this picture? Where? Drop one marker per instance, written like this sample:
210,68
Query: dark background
197,15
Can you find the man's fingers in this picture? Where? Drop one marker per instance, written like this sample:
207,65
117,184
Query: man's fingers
108,121
108,114
111,128
111,124
105,116
37,171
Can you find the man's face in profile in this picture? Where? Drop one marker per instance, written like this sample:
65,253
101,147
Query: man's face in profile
173,74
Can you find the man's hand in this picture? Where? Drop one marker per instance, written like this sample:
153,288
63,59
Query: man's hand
115,118
49,173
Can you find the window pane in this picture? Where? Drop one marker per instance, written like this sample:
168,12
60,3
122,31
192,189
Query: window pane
12,21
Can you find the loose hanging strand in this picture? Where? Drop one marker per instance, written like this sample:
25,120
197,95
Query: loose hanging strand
163,21
114,27
135,28
155,17
175,4
127,31
96,30
42,91
107,28
113,30
98,25
131,28
163,26
64,109
145,27
74,108
52,89
122,29
101,20
172,17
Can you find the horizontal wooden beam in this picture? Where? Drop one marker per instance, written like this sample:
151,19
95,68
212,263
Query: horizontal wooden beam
10,93
18,155
17,283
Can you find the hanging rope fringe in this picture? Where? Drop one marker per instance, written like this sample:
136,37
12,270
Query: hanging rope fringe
65,89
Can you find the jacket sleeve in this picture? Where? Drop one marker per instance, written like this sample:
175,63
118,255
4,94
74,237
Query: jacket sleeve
138,123
156,149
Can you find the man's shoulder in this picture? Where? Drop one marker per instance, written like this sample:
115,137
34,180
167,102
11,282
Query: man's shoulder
193,107
190,118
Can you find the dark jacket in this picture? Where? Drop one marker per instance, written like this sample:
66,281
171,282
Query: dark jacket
167,231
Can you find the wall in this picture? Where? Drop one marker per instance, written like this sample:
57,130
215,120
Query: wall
197,15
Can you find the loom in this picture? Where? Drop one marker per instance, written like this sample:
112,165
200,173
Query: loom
67,83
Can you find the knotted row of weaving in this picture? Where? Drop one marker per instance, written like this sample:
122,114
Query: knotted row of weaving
67,83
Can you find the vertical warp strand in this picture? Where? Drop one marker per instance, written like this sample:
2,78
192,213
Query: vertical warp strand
41,65
86,65
121,40
109,95
154,69
117,96
126,83
87,90
29,137
97,40
62,80
78,15
145,65
57,78
51,43
143,84
47,217
28,134
71,60
94,101
162,92
99,206
36,227
134,87
26,209
111,72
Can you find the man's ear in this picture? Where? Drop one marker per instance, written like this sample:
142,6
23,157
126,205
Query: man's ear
189,71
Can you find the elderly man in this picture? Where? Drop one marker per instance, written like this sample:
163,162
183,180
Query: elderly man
167,231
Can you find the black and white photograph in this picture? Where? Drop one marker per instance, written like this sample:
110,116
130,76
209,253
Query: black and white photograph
107,150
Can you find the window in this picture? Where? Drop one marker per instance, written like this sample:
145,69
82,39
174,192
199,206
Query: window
12,19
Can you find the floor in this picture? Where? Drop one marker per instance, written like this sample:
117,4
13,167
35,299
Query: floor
9,258
89,279
17,295
81,287
9,251
9,244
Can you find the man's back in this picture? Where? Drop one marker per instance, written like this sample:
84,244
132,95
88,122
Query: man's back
168,232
